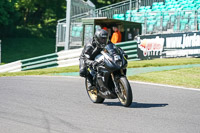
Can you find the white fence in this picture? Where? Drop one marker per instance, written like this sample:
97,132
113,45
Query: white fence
60,59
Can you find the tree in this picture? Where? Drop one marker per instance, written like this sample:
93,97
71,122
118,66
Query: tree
40,12
35,16
6,11
8,17
30,17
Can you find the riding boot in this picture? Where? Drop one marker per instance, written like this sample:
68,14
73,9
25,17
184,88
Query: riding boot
90,82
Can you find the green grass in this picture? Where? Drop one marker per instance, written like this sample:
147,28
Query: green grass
131,64
163,62
188,77
14,49
48,71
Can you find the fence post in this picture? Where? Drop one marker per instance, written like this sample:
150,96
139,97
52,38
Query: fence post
0,51
68,21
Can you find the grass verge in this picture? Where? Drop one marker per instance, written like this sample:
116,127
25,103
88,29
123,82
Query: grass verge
42,71
131,64
163,62
188,77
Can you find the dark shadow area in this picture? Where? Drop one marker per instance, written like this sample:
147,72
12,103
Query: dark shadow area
137,105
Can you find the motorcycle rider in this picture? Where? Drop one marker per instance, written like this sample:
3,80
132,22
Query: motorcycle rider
90,51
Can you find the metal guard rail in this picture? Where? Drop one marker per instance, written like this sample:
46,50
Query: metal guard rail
130,48
62,59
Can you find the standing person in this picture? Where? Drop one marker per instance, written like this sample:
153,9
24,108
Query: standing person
90,51
117,36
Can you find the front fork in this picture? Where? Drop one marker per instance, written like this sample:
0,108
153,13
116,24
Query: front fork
117,88
118,91
114,81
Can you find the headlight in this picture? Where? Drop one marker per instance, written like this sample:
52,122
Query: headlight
119,63
117,57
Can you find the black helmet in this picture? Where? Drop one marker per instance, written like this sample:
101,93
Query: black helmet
101,37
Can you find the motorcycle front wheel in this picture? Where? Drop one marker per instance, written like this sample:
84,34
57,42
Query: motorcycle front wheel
93,94
125,92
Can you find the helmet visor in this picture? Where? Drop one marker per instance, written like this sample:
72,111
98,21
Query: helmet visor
103,41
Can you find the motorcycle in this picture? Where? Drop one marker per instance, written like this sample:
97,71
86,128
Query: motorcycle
109,77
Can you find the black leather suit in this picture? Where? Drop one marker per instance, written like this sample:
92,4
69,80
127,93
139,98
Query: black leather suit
90,51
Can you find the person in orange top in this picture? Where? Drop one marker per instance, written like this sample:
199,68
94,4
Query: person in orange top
117,36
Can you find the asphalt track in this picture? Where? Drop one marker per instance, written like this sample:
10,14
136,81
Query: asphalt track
41,104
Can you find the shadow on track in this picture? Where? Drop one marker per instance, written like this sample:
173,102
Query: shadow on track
137,105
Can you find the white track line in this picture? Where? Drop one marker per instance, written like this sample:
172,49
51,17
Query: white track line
163,85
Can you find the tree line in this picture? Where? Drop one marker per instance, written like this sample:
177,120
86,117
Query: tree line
34,18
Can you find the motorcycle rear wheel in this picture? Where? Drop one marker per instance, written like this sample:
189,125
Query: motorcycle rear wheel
125,96
93,94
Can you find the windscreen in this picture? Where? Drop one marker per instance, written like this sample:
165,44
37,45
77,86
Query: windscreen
112,49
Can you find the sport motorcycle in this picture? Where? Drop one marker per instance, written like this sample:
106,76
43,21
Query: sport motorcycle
109,77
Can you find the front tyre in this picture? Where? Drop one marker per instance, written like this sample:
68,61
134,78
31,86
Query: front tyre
125,92
93,94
